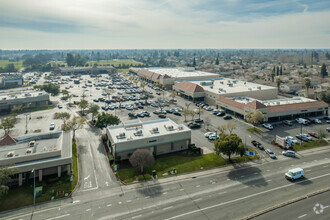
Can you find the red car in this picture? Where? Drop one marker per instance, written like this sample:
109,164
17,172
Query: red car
162,116
313,134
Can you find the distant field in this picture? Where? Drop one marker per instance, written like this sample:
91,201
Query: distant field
18,64
115,62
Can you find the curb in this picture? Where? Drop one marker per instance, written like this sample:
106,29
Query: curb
70,195
286,203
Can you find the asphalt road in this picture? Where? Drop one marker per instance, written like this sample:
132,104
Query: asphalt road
226,193
316,207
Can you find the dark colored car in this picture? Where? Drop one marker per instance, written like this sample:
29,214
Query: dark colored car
199,120
221,114
257,144
194,125
162,116
227,117
177,113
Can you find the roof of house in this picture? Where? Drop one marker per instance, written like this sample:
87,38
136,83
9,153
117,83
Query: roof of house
295,106
231,102
188,86
7,140
255,105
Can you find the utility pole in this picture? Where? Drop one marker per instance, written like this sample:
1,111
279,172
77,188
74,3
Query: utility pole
26,122
301,134
34,187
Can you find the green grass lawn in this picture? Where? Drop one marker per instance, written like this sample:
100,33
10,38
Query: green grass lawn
310,144
254,130
182,164
114,63
23,196
18,65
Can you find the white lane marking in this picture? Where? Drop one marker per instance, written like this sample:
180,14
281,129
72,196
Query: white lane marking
106,183
326,166
269,180
304,162
220,193
87,210
181,189
119,203
87,177
196,200
228,179
302,216
213,182
198,186
61,216
268,170
136,216
255,173
315,160
246,197
109,205
164,193
76,201
308,170
147,197
129,201
242,176
168,208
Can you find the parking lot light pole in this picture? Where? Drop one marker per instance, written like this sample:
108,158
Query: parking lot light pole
301,134
34,187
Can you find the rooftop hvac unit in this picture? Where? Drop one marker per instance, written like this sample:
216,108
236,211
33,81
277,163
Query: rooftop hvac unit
29,150
11,154
250,89
221,82
32,143
211,87
259,87
138,133
278,103
40,93
170,128
155,130
230,84
121,136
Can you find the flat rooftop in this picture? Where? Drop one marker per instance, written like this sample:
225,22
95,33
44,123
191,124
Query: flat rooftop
273,102
181,72
135,129
223,85
20,149
21,95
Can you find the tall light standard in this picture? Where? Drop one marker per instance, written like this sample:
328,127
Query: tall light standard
245,145
26,122
34,187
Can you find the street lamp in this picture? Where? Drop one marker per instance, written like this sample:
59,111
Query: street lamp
26,122
245,145
34,187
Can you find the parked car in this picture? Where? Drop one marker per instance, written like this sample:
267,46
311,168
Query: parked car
194,125
162,116
304,137
59,106
302,121
52,126
292,139
213,137
294,174
316,120
257,144
313,134
289,153
328,129
177,113
221,113
268,126
270,154
288,122
207,134
199,120
227,117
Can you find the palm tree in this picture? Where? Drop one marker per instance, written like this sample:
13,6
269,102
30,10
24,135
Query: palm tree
278,83
307,84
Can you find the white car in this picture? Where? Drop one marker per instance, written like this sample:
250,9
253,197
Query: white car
295,173
268,126
52,126
208,134
318,121
289,153
292,139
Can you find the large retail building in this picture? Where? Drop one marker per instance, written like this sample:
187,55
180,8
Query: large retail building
273,110
159,136
209,90
167,76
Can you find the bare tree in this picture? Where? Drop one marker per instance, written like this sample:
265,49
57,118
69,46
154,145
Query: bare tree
192,113
185,112
231,127
321,134
74,124
222,128
141,158
207,122
62,115
187,104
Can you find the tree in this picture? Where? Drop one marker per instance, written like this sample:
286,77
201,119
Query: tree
272,75
325,96
222,128
194,62
281,71
192,113
307,85
94,110
185,112
5,177
10,68
207,122
70,59
65,93
17,109
229,144
74,124
324,72
321,134
278,83
49,88
255,118
173,94
106,119
64,116
200,112
277,71
143,84
231,127
83,104
7,124
141,158
217,61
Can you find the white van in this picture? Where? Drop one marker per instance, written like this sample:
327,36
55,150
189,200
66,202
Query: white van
302,121
295,173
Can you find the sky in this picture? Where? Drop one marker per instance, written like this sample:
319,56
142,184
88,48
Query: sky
164,24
